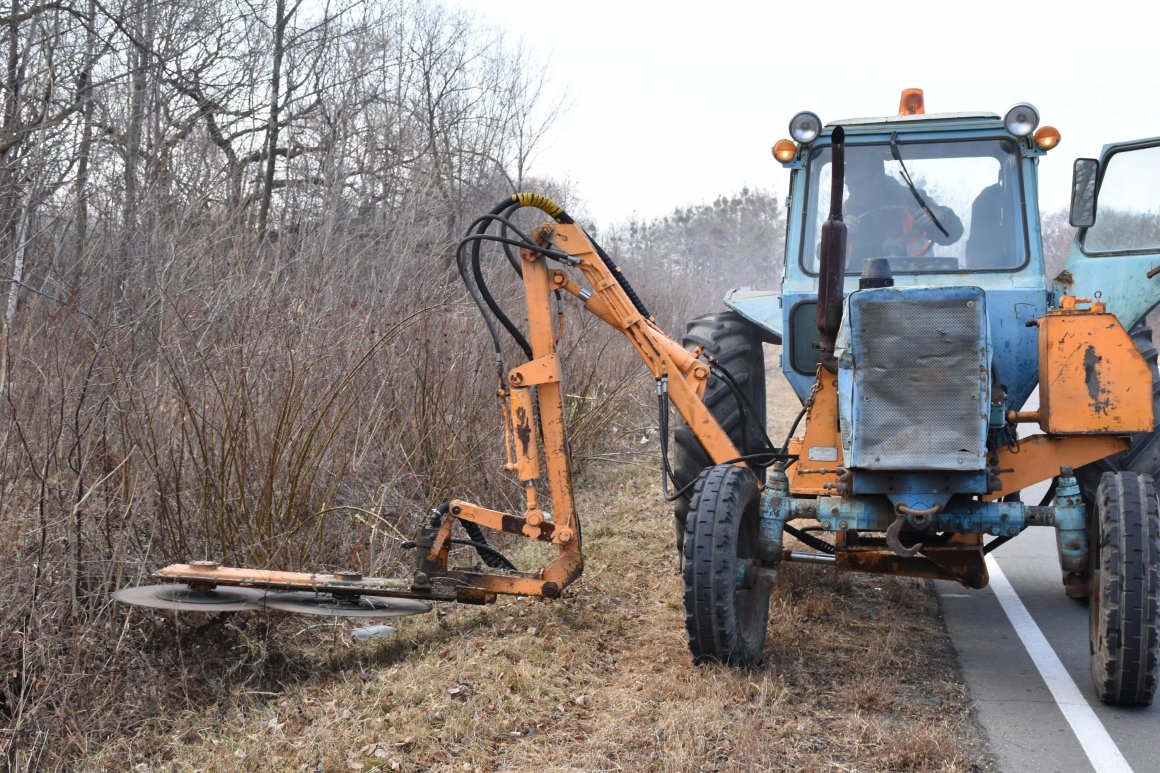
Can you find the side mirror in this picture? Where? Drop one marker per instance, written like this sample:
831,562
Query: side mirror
1084,176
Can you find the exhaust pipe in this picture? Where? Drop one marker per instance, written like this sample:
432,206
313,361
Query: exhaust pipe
832,271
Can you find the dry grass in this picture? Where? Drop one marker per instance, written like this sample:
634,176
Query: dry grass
859,675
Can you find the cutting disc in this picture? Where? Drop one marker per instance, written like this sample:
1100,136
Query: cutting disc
175,595
308,603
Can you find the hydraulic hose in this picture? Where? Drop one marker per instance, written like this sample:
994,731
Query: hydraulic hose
621,279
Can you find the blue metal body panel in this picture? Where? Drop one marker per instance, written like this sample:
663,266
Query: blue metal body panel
1012,302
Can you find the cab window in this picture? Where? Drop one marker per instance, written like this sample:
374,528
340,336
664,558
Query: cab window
975,186
1128,218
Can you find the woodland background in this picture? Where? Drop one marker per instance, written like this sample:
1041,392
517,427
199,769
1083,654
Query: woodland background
232,326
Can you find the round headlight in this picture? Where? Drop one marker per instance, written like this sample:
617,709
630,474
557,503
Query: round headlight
805,127
1022,119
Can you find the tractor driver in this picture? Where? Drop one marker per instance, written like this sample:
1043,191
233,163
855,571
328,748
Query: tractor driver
885,218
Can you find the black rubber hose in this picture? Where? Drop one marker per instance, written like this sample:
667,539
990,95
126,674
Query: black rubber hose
477,234
490,556
793,429
481,284
748,414
811,540
487,553
620,279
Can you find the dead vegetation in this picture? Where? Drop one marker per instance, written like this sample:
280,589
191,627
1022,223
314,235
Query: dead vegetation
858,675
233,331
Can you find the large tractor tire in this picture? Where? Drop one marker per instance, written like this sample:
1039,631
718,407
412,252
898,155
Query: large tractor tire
736,344
726,589
1125,590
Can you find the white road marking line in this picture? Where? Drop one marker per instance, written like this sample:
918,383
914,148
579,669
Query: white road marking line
1105,756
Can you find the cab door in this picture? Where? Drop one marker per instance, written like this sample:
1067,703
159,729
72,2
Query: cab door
1115,204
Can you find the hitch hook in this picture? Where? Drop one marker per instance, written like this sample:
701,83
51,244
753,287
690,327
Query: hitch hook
895,529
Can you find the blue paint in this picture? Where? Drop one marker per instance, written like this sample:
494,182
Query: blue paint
1071,525
874,513
1121,279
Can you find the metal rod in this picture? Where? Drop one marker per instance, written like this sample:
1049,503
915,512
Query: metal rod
806,558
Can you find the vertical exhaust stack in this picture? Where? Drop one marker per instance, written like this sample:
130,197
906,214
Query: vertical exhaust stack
833,257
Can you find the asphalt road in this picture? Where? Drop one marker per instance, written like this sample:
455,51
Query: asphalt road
1027,722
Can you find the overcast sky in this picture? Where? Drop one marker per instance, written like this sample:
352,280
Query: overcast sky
671,104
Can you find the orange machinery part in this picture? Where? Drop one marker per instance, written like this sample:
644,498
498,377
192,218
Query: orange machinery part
1092,379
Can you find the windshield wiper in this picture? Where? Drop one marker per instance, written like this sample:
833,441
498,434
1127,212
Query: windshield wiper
910,184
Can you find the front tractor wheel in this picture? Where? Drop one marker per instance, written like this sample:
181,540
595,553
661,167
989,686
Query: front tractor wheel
726,588
1125,590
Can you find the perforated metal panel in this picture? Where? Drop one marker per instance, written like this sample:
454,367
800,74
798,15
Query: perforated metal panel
921,379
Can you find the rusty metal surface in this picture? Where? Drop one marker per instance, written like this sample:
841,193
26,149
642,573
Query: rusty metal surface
960,559
1039,457
265,579
1092,379
820,461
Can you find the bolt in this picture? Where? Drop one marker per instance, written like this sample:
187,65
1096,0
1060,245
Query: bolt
534,517
456,510
550,590
558,278
842,524
517,378
565,536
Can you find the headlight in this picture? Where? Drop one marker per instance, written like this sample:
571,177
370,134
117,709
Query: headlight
805,127
1022,119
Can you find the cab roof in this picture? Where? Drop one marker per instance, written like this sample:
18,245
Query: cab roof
922,118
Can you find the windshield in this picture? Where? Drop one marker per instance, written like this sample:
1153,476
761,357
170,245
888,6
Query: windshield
961,211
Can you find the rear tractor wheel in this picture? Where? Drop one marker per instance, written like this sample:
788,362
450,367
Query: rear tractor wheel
726,587
735,343
1125,590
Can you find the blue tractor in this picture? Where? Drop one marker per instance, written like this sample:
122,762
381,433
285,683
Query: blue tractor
917,322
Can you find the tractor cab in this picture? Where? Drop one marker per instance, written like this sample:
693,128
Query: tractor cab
943,200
